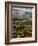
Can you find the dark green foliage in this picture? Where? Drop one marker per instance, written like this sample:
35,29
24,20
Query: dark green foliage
22,28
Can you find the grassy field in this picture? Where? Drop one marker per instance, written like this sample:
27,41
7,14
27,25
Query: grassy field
21,28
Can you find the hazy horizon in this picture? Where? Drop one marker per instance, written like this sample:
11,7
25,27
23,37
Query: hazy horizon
21,13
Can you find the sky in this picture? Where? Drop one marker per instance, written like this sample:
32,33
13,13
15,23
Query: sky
23,9
20,12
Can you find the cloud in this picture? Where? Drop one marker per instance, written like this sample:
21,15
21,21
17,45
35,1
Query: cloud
22,9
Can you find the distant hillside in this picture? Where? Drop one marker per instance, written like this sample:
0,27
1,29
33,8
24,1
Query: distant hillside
21,14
